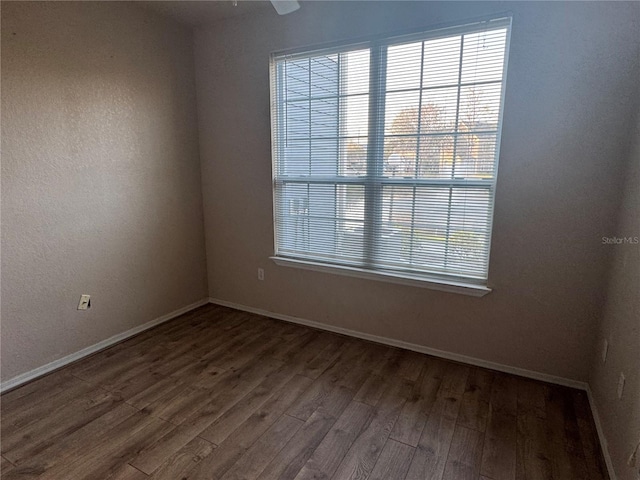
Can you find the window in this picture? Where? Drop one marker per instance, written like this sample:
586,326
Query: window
385,154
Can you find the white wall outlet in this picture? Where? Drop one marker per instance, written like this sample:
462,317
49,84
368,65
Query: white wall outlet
85,302
261,274
605,349
621,381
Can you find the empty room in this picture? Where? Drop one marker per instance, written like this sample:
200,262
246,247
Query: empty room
333,240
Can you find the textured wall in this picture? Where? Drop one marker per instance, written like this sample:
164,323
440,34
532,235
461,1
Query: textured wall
570,79
621,327
100,176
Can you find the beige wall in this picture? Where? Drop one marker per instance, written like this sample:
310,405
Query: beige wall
621,327
100,176
571,77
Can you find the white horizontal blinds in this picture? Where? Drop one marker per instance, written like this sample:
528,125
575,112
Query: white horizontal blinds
321,155
412,191
442,110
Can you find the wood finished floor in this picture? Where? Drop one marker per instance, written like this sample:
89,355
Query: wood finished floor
222,394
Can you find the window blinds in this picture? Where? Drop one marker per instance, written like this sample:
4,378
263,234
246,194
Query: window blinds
385,154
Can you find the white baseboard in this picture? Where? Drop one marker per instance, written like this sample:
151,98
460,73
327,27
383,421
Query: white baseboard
601,436
61,362
410,346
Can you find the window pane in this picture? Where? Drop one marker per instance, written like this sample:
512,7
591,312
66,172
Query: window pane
355,72
355,116
436,156
428,247
296,79
468,233
401,113
350,227
441,61
483,56
297,120
324,76
479,107
324,155
439,109
295,158
475,156
353,156
292,226
324,117
400,156
403,66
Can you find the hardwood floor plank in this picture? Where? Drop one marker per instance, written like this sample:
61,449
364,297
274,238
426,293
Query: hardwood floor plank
594,459
32,440
318,395
465,455
533,461
212,340
531,398
150,458
258,347
499,453
348,362
474,408
371,390
290,460
307,358
5,467
153,391
363,454
454,380
16,418
361,367
108,369
35,392
63,448
219,430
394,462
416,410
327,457
181,464
234,386
567,453
296,346
229,451
231,343
504,394
431,454
325,358
260,454
411,365
197,388
127,472
104,457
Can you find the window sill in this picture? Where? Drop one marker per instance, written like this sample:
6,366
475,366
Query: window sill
450,286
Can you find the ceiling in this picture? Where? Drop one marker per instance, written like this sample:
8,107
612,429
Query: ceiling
194,13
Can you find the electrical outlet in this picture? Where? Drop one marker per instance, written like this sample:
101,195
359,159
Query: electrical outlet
621,381
605,349
85,302
261,274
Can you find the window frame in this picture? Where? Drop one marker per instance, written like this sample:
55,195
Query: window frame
374,181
